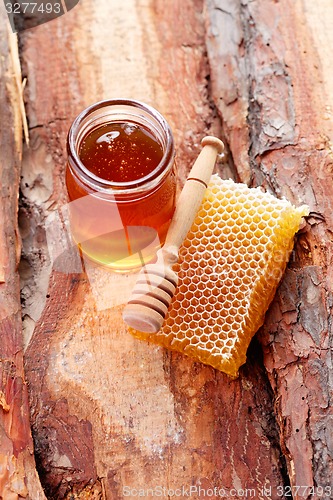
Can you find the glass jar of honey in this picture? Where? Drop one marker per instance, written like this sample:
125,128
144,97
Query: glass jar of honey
121,182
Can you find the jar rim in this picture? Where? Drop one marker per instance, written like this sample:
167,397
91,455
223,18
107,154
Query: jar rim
98,182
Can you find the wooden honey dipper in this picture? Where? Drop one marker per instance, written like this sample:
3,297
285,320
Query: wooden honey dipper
156,283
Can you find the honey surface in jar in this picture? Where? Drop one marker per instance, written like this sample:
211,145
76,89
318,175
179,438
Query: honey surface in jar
120,152
121,232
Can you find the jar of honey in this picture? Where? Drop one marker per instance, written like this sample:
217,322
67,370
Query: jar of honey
121,182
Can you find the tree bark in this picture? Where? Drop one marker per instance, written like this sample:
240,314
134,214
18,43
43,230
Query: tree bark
272,83
18,476
107,410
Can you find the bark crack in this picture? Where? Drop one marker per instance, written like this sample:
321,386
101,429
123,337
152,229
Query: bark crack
224,11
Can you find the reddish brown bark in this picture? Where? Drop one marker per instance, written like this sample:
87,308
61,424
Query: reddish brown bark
270,85
18,478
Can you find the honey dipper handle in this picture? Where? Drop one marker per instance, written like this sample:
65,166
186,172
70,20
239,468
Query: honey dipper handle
191,196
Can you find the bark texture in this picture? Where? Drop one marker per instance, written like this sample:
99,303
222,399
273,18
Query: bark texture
273,88
107,410
18,476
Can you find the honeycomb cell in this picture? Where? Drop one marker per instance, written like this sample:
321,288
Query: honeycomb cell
196,316
250,272
184,326
260,248
205,241
242,250
187,318
205,316
217,218
229,267
271,222
243,266
188,295
264,240
178,320
201,248
262,263
192,327
242,213
241,311
173,313
229,210
239,258
185,303
206,295
225,328
238,301
238,318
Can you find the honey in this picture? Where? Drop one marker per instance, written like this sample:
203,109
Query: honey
229,267
121,183
120,152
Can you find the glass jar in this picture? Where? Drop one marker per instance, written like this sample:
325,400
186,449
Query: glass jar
120,225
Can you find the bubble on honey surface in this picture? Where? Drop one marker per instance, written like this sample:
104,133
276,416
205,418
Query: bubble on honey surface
129,129
108,137
228,270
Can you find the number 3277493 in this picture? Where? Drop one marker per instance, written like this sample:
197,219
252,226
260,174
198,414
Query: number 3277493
33,8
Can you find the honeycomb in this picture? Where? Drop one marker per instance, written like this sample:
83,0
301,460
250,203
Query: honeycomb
229,267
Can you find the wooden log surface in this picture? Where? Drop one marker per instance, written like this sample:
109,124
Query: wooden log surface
18,476
107,410
272,84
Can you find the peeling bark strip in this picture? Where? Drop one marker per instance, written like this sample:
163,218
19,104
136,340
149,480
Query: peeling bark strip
18,477
107,410
273,87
